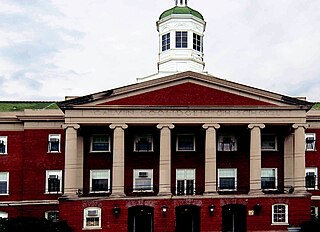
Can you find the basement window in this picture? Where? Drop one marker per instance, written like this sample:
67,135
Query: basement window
3,214
314,212
280,214
92,218
52,216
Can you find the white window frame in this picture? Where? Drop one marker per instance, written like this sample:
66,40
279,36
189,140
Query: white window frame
185,150
315,209
53,172
312,136
108,177
52,137
220,142
275,143
185,178
7,180
234,176
276,177
86,215
46,215
5,142
286,215
136,175
315,171
149,137
96,151
3,214
165,42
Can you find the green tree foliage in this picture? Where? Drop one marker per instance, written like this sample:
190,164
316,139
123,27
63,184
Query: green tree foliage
24,224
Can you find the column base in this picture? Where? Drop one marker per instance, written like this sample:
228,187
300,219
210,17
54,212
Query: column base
215,193
117,195
255,193
164,194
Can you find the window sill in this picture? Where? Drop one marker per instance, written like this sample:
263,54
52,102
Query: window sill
99,192
143,191
276,150
54,152
3,154
53,193
143,151
99,152
92,228
312,189
4,194
280,224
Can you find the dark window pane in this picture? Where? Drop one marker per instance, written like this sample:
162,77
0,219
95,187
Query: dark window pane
100,185
227,183
310,180
54,145
2,148
180,187
189,187
268,182
53,185
3,187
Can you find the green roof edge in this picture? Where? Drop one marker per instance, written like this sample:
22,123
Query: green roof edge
181,10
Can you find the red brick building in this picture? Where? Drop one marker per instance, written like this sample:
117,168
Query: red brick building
181,152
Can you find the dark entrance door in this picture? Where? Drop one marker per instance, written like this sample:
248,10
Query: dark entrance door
140,219
188,218
234,218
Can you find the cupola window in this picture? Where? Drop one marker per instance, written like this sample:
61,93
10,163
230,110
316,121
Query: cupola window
181,39
197,42
166,42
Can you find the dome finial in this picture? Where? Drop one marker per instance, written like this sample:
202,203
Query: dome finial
181,2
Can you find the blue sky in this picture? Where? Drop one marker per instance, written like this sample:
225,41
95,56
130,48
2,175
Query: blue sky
55,48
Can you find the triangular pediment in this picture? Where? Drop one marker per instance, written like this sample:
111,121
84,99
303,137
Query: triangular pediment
186,89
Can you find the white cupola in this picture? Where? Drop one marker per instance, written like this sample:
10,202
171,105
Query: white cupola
181,30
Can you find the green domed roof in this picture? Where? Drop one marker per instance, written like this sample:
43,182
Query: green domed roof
181,10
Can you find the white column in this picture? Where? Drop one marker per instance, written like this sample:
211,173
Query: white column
165,159
255,157
73,164
299,157
118,160
211,158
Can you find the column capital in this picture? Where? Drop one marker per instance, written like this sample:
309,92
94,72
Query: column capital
297,125
115,125
259,125
71,125
211,125
162,125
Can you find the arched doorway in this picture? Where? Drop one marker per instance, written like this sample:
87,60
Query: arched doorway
188,218
140,219
234,218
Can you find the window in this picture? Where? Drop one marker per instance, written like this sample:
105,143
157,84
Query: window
4,183
3,145
311,178
99,181
143,180
166,42
185,181
52,216
280,214
185,143
310,142
54,143
53,181
143,143
3,215
269,178
181,39
227,143
100,143
227,179
197,42
314,212
269,142
92,217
